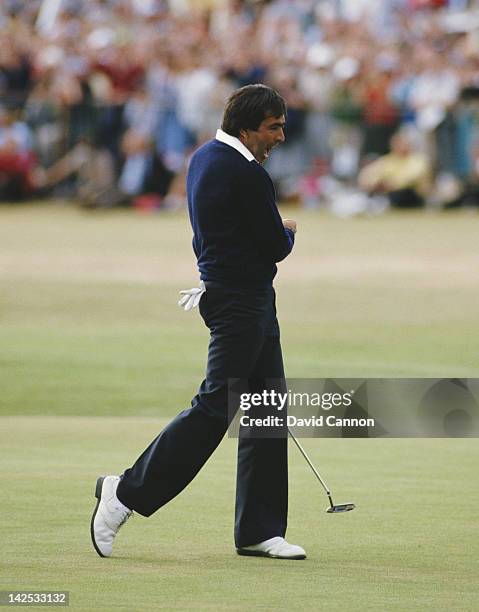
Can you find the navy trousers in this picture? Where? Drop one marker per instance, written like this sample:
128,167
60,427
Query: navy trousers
244,344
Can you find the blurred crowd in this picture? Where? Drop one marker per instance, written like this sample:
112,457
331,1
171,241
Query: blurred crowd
104,100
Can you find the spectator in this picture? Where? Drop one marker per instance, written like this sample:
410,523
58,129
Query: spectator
380,114
403,175
434,94
316,85
173,139
93,172
15,72
43,116
351,70
120,62
288,162
346,111
17,161
143,170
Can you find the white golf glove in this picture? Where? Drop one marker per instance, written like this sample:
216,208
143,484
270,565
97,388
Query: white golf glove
191,297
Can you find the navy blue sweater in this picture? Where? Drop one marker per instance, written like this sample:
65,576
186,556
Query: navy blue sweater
238,235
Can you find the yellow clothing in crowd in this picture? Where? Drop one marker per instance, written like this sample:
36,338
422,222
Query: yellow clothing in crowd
393,171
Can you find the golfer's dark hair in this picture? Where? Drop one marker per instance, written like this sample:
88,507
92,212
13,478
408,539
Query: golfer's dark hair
248,106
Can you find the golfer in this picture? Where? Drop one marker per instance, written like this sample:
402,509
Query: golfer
239,237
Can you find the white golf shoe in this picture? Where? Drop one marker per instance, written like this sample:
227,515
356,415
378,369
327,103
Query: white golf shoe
275,548
109,515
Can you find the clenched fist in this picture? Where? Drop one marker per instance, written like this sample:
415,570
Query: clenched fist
290,224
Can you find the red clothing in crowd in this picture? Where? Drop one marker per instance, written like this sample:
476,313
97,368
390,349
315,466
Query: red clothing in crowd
124,78
378,108
17,167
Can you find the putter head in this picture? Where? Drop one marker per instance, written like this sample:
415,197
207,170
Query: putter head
341,508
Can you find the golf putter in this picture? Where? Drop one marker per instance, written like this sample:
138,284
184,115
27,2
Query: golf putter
333,509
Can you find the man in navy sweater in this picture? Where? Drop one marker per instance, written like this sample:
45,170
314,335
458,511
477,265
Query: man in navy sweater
239,237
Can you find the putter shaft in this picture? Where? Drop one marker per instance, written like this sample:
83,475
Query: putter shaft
315,471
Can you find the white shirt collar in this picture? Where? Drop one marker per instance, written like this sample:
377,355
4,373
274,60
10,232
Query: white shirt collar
234,142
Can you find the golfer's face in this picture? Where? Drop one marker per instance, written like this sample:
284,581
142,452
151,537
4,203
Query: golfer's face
269,134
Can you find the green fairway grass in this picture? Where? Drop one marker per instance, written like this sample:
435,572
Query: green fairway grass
411,544
95,356
89,322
